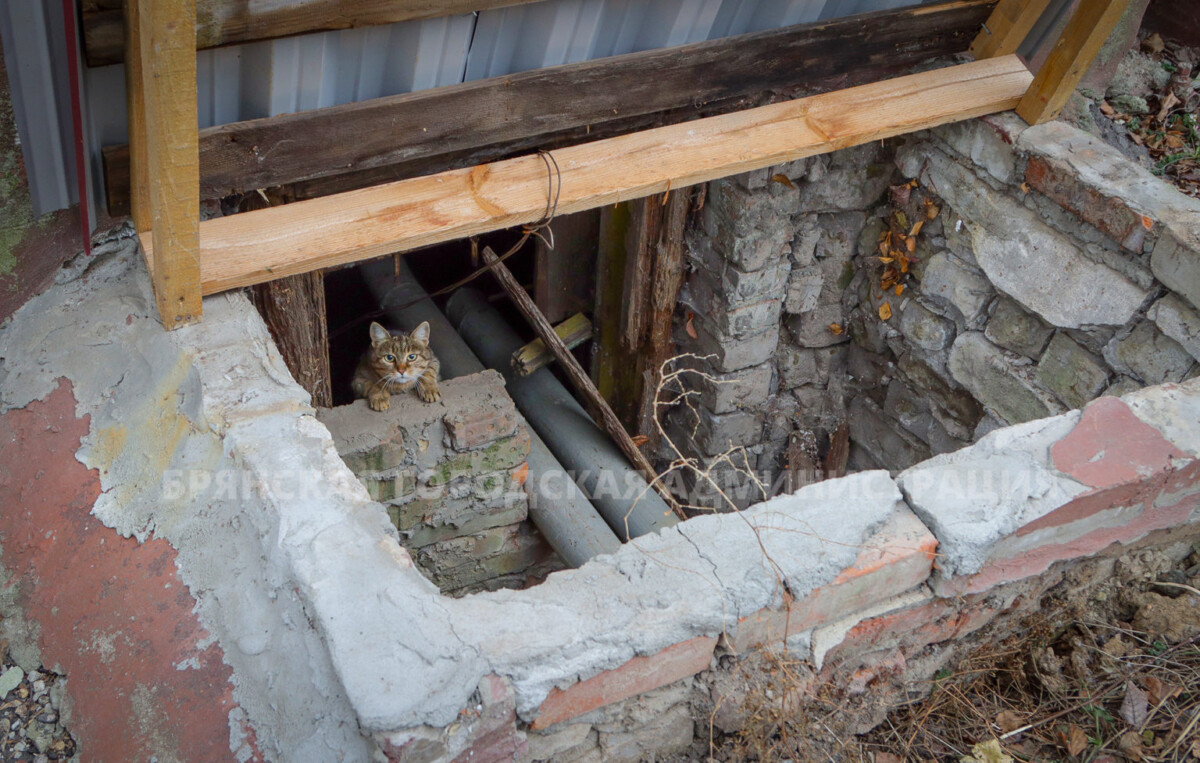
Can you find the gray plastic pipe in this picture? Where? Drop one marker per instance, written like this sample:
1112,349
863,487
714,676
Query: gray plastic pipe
620,493
557,507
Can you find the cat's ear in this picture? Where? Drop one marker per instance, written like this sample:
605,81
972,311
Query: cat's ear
421,333
379,334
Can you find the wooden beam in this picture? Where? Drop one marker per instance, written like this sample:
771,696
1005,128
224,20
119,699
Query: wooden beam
607,420
231,22
294,310
563,276
168,85
386,139
259,246
139,178
1084,35
1007,27
573,332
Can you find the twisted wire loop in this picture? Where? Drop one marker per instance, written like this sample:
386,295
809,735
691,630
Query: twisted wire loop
541,229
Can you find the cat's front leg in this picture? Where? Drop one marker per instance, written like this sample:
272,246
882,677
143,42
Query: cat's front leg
427,386
378,397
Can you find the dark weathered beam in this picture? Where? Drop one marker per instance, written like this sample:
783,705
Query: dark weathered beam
351,146
231,22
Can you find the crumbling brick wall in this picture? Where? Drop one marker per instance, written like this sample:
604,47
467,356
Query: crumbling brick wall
452,477
1048,270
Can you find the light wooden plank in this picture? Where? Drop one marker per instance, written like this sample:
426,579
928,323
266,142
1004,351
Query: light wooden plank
357,225
573,332
139,194
173,166
355,145
1084,35
230,22
1007,27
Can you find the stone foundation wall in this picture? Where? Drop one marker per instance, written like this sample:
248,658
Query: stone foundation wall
452,477
1040,269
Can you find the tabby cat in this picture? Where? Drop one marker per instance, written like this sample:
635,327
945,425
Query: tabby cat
397,364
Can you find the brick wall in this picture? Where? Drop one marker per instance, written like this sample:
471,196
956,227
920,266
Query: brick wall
451,475
1048,270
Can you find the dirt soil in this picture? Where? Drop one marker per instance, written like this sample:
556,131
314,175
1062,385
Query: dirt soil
1150,110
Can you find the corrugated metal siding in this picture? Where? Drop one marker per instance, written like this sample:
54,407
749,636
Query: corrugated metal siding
311,71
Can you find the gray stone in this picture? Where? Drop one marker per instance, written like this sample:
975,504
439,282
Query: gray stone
941,441
888,444
736,321
559,740
719,432
728,353
1004,387
976,497
948,280
1073,374
10,680
799,367
1176,262
1123,386
855,178
805,286
1130,104
1148,354
748,228
804,244
668,732
1015,329
722,393
957,410
736,287
1178,321
987,142
909,409
1033,263
812,329
924,329
1137,75
958,237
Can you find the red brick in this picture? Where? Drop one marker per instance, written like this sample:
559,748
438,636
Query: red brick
114,613
897,558
1110,445
1107,213
639,675
472,429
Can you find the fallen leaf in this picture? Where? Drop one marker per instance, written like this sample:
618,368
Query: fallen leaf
836,329
1169,102
1196,749
887,757
783,180
885,311
1073,740
640,439
689,328
901,219
899,289
910,244
1024,187
916,228
1135,708
987,752
931,209
1159,691
883,247
1130,745
1174,141
1107,110
900,194
1008,721
887,259
1153,44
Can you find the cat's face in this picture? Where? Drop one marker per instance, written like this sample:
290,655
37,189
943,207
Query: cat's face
400,359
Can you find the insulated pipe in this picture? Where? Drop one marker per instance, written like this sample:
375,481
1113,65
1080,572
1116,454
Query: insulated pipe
569,522
621,494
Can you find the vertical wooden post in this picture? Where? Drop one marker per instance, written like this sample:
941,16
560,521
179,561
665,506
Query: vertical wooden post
294,310
563,275
613,374
1007,27
139,177
166,34
1084,35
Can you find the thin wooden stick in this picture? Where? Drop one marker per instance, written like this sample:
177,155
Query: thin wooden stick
607,419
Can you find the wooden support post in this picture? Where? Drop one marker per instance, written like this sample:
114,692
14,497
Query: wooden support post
563,275
574,331
1007,27
294,310
607,419
167,46
615,377
139,177
1084,35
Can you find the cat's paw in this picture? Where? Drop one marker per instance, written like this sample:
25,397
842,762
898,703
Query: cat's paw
379,402
430,393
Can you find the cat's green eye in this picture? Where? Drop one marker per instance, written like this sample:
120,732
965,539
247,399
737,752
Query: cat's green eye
390,358
412,356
